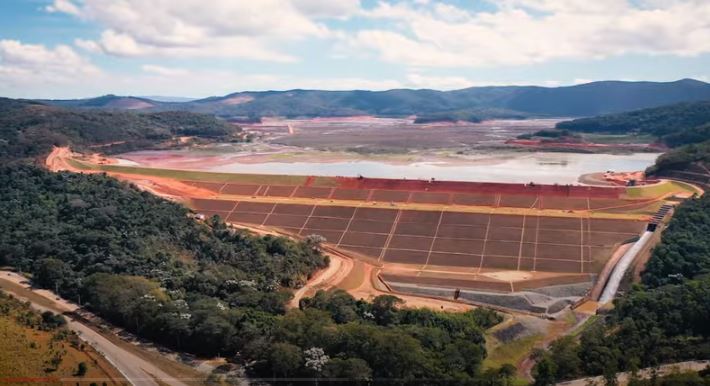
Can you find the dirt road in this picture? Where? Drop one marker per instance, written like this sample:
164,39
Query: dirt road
623,378
137,370
56,160
336,271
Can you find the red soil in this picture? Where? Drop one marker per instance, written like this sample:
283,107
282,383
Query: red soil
390,196
363,239
293,209
431,198
350,194
419,238
279,191
312,192
478,187
579,145
245,190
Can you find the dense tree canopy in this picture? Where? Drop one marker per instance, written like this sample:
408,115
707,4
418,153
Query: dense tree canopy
690,162
676,125
381,339
684,251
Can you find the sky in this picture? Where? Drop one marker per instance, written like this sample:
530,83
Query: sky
199,48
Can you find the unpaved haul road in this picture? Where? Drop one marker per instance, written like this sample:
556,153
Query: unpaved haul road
136,370
336,271
623,378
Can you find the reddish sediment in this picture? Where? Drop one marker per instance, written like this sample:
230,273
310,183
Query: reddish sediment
478,187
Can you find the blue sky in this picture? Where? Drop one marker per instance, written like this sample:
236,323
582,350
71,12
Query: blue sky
197,48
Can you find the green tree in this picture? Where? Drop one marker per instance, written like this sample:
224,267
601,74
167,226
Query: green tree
545,371
51,321
565,352
51,273
384,308
507,372
354,370
285,359
81,369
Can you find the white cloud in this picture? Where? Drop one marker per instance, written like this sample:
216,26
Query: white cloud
339,83
340,9
38,72
524,32
417,33
574,6
120,44
159,80
415,80
28,65
165,71
396,48
65,6
197,28
88,45
123,44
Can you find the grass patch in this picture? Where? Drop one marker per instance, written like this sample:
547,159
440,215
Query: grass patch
512,352
193,175
689,187
649,209
81,165
29,351
591,320
658,190
639,209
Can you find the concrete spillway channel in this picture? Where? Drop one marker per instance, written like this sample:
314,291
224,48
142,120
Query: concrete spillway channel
612,285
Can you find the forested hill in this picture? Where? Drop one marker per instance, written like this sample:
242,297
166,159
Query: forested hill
689,162
663,320
685,127
472,103
146,264
675,125
29,129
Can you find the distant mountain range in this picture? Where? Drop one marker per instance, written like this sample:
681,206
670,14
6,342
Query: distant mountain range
168,98
473,103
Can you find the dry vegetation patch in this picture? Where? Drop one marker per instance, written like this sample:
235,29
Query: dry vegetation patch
37,348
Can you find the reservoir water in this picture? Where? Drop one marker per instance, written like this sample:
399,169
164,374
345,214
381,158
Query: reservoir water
515,167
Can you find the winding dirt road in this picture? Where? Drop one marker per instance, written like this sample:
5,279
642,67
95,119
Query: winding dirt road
329,277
